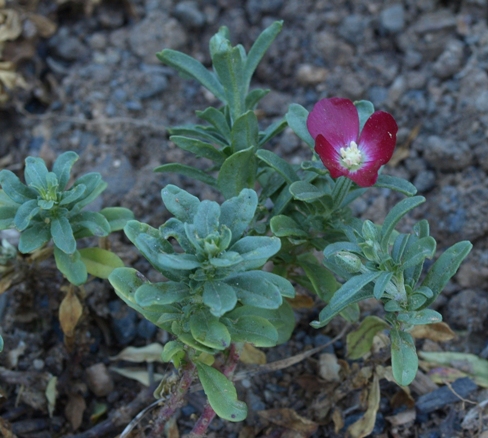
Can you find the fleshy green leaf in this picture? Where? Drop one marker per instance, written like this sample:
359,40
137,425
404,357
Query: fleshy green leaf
404,360
238,172
184,262
189,171
217,119
73,195
194,69
221,394
71,266
92,221
380,284
219,297
180,203
284,226
94,187
117,217
7,215
206,220
417,252
365,109
100,262
34,237
272,131
173,351
398,184
297,120
158,294
237,212
245,132
360,341
62,235
14,189
25,213
256,250
303,191
125,282
321,279
207,330
253,329
35,173
278,164
254,96
62,167
199,148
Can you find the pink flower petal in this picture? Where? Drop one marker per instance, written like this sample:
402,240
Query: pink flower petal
330,156
336,119
378,138
367,175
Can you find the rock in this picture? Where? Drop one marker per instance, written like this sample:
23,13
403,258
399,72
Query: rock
155,33
98,41
472,82
392,19
110,15
424,180
450,61
99,380
146,329
447,154
352,86
308,74
352,28
397,89
257,8
481,154
331,49
474,271
378,95
189,15
152,86
68,47
275,103
468,309
124,321
481,102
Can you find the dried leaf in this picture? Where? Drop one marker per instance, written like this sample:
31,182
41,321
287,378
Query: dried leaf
338,420
44,26
51,395
14,354
149,353
329,368
139,374
10,25
289,419
302,302
9,78
70,312
438,332
6,429
252,356
74,410
402,418
474,417
364,426
171,428
360,341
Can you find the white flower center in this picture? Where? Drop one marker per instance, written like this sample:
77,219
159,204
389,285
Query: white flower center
351,156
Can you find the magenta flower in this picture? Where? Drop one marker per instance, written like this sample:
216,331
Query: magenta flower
334,125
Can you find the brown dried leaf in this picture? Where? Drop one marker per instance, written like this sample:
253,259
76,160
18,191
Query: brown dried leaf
364,426
6,429
70,312
9,78
51,395
252,356
74,410
302,302
338,420
10,25
289,419
438,332
148,353
402,418
44,26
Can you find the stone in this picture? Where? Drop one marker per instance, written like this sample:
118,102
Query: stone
352,28
425,180
333,51
468,309
447,154
68,47
392,19
275,103
155,33
189,15
308,74
450,61
110,15
99,380
255,9
473,273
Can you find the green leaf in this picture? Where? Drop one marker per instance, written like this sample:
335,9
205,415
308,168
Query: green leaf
35,173
62,235
199,148
25,213
62,167
177,229
71,266
259,48
421,317
206,220
278,164
237,212
178,262
180,203
297,120
189,171
253,329
45,205
94,187
272,131
445,267
219,297
260,289
284,226
221,394
245,132
380,284
117,217
253,97
173,351
14,189
349,293
207,330
238,172
34,237
100,262
207,133
398,184
194,69
360,341
159,294
1,344
92,221
217,119
256,250
322,280
404,360
125,282
417,252
394,216
7,215
365,109
306,192
73,195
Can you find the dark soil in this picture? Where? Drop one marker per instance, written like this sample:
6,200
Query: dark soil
105,96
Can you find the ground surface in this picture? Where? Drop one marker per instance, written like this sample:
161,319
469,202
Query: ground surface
100,91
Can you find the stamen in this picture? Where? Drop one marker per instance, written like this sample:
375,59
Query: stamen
351,156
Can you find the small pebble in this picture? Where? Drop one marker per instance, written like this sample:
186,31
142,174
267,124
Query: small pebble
99,380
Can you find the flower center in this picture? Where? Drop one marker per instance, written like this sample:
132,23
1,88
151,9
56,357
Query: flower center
351,156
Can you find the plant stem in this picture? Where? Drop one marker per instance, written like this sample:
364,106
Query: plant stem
340,191
176,401
208,414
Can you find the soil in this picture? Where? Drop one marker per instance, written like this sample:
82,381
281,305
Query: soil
100,91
